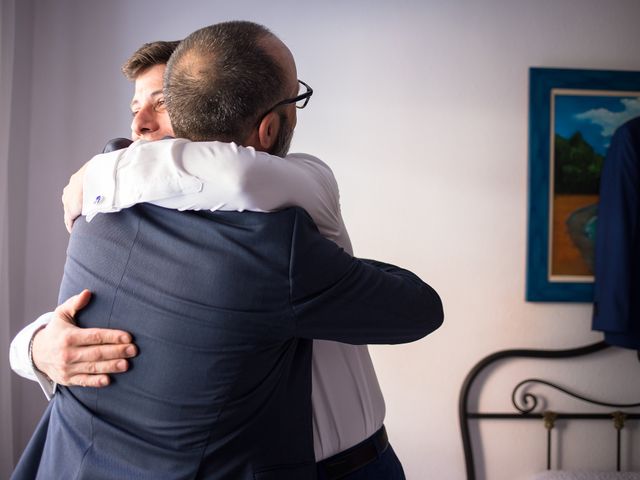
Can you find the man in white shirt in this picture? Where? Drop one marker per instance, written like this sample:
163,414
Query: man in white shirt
347,402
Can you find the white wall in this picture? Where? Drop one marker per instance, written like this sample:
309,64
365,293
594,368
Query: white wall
420,107
15,78
7,35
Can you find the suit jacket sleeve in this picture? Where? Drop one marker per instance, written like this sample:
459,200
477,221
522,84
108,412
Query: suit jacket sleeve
335,296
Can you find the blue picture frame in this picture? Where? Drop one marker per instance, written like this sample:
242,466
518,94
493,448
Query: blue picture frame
544,84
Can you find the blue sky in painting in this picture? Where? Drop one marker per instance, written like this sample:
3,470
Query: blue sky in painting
596,117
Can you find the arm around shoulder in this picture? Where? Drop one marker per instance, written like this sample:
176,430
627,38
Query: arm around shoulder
341,298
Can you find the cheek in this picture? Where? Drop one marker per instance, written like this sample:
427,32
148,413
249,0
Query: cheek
164,124
293,119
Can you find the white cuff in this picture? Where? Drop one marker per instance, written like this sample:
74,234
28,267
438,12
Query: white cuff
144,172
99,184
19,355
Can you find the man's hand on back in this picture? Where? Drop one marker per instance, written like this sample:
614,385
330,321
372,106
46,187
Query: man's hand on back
70,355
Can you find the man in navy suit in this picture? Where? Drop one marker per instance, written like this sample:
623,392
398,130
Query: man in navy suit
616,309
234,297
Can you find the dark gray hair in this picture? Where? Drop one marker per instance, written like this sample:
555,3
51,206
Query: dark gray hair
220,80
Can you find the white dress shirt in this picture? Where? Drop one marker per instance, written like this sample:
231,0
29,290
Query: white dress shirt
19,355
348,405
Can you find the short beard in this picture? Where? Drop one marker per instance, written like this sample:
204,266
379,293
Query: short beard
283,141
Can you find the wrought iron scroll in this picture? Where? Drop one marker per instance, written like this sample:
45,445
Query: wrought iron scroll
530,401
526,397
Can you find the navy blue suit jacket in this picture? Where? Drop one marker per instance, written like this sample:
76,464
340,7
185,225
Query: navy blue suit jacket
616,309
223,307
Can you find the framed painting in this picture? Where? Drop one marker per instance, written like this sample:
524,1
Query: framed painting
572,116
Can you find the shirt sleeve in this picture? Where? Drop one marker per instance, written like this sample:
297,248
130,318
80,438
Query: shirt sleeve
184,175
19,355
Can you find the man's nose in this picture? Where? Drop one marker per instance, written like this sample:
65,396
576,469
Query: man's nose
144,122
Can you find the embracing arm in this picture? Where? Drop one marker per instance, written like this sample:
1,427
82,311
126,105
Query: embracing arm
68,355
186,175
335,296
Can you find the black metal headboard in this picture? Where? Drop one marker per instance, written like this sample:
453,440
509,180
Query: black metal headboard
527,402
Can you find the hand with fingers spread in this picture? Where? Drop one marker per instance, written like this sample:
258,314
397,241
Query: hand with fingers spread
70,355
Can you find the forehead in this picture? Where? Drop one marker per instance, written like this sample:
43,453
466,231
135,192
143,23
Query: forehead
149,82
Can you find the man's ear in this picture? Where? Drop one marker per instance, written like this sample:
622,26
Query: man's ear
268,130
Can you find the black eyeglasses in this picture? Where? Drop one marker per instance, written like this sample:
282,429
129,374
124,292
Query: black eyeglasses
300,101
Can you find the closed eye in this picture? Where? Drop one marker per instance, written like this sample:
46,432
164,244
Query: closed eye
159,105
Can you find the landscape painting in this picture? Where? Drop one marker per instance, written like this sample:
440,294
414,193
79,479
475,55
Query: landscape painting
572,117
